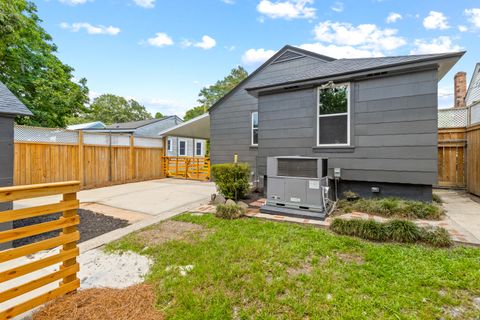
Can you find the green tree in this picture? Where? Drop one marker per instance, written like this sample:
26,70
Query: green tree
110,108
32,71
158,115
211,94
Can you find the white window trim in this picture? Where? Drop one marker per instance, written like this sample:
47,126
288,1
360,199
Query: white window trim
201,148
186,147
251,128
348,114
169,144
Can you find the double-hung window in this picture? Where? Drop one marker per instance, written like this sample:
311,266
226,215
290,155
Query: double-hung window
182,147
333,113
198,148
169,145
254,128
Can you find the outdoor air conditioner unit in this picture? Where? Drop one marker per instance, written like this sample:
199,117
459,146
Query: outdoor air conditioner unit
297,186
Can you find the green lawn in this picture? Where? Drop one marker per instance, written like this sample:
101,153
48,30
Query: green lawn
249,268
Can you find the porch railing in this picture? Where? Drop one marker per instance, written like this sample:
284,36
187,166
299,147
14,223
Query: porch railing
194,168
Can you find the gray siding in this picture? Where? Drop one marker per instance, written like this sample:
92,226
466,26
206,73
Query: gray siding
190,146
473,93
155,128
230,122
393,129
6,166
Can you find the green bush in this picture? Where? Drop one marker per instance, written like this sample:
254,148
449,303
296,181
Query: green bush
229,211
395,231
436,198
232,180
393,207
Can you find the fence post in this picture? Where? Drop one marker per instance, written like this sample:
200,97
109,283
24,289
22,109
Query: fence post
80,158
131,171
66,231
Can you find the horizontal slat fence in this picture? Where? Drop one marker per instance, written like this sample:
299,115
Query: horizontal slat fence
51,155
195,168
66,241
452,157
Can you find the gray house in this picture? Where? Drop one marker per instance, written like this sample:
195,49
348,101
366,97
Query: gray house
374,119
10,107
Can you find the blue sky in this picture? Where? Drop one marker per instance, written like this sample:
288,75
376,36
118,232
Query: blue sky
162,53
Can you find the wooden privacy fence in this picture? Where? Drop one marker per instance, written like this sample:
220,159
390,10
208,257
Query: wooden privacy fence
196,168
66,273
452,145
473,159
45,155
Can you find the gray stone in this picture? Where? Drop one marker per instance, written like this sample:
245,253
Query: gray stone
219,199
230,202
242,204
476,302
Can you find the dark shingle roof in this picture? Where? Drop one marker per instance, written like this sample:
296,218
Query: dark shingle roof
9,104
135,124
350,66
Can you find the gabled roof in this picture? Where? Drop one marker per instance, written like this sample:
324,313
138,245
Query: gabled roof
137,124
9,104
88,125
352,66
471,95
278,54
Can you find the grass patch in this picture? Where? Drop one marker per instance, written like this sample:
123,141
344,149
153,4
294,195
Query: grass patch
229,211
254,269
437,199
393,207
401,231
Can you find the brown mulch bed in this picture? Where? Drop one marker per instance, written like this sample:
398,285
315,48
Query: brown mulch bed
135,302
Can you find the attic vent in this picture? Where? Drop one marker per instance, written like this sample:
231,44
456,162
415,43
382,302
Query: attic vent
288,55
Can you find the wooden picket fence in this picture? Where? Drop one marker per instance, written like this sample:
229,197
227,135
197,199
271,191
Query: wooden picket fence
67,273
93,164
194,168
452,148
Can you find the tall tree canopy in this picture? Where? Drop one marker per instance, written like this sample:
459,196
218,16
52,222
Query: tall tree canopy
158,115
110,108
32,71
211,94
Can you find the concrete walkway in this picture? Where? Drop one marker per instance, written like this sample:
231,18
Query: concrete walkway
462,210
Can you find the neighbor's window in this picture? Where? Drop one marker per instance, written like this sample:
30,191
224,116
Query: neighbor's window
169,145
198,148
333,115
182,147
254,128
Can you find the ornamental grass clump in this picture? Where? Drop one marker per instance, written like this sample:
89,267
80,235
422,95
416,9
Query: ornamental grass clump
229,211
401,231
232,179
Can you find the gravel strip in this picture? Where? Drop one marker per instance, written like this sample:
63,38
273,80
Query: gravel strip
92,225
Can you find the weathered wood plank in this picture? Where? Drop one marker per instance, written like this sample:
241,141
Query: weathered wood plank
37,190
42,210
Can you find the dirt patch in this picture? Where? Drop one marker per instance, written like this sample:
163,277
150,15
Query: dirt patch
135,302
351,258
304,268
170,230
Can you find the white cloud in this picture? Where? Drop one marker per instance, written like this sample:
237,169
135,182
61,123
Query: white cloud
473,16
445,96
206,43
339,52
393,17
145,3
337,6
90,29
166,106
288,9
462,28
74,2
436,20
436,45
228,1
365,36
256,56
161,39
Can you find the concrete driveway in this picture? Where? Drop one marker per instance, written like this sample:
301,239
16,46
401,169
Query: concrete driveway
149,198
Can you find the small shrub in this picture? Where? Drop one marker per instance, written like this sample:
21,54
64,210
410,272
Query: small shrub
373,230
402,231
229,211
232,180
437,237
436,198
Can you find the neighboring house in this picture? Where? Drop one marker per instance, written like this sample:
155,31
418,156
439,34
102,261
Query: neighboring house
375,119
88,125
10,107
472,98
